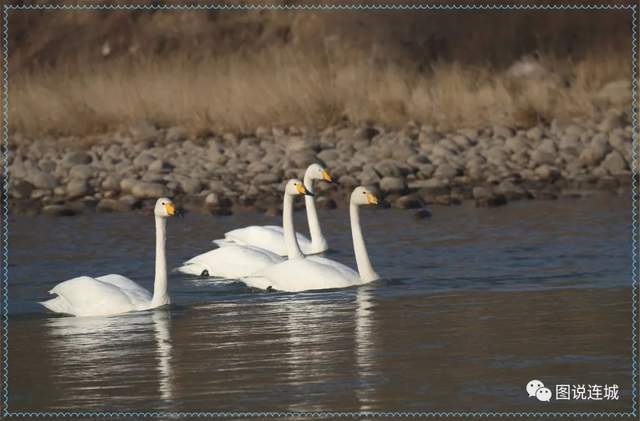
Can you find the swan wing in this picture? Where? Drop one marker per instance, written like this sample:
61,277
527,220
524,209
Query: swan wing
303,275
232,261
303,241
345,270
269,237
123,282
86,296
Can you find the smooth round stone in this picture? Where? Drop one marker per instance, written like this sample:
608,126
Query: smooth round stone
113,205
516,144
266,178
615,164
481,192
59,210
190,185
77,188
445,171
328,155
594,153
20,189
144,190
160,166
144,160
112,183
388,168
82,172
393,185
347,181
76,158
41,179
409,201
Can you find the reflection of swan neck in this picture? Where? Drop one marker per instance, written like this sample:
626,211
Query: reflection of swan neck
160,296
367,274
163,343
290,240
317,239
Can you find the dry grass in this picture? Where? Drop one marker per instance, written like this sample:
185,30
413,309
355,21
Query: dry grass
282,87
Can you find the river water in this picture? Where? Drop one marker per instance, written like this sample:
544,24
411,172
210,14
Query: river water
475,303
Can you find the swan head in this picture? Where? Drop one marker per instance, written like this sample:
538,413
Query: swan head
296,187
362,196
317,172
165,208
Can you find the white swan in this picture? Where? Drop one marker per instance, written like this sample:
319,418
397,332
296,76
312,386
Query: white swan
271,237
114,294
235,261
301,273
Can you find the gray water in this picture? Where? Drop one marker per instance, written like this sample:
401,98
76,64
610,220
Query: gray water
474,304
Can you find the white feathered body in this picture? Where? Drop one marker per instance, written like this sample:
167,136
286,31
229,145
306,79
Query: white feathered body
231,261
268,237
102,296
303,274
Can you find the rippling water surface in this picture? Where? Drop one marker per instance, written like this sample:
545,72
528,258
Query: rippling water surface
476,302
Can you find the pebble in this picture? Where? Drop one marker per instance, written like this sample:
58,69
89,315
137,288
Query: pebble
190,186
144,190
388,168
445,171
59,210
41,180
160,166
615,164
77,188
81,172
512,191
516,144
76,158
113,205
393,185
20,189
266,178
410,201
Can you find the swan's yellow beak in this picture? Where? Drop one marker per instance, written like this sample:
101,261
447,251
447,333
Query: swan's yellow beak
303,190
372,199
326,176
171,209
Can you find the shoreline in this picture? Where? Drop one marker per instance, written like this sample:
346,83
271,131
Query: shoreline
413,167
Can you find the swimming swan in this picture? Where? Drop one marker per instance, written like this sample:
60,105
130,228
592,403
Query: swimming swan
114,294
235,261
271,237
301,273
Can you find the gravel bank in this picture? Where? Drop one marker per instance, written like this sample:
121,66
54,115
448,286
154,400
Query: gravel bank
411,167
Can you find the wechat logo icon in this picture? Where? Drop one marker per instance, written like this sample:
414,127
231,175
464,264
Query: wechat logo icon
535,388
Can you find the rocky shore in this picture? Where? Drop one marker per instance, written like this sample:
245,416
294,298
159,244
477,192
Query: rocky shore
411,167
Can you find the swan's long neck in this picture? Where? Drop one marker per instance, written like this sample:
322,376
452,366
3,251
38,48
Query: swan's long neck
367,274
160,295
317,239
290,240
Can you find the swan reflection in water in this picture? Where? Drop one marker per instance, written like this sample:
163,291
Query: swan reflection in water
99,358
364,347
317,351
